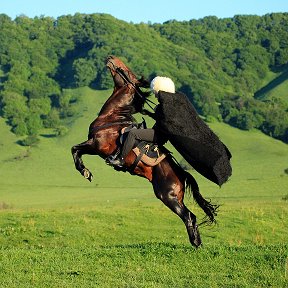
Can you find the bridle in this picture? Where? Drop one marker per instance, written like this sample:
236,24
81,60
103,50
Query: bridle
127,80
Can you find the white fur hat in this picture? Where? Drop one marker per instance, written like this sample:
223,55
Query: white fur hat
162,84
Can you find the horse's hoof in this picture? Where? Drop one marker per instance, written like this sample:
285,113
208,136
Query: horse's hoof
194,235
195,239
87,174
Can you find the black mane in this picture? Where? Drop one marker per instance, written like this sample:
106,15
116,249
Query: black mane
140,97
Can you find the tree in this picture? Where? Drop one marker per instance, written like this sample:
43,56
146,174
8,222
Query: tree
33,123
84,72
40,106
14,105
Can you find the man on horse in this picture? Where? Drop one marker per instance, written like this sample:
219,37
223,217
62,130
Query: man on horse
178,121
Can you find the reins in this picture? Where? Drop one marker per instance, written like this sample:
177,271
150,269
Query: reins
127,80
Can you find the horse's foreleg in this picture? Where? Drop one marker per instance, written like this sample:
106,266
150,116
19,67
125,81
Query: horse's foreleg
77,152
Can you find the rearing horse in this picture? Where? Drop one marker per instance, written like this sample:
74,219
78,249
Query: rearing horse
168,179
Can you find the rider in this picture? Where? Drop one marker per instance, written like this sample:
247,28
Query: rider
154,134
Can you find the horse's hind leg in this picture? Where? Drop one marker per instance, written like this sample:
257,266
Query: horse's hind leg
77,152
170,191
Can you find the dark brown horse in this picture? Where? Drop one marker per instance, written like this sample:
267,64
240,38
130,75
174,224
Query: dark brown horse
168,179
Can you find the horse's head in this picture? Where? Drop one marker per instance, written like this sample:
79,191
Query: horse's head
120,72
123,76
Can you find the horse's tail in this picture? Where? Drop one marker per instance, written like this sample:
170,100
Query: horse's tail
209,209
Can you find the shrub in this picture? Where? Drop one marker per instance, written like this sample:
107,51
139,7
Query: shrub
30,140
61,131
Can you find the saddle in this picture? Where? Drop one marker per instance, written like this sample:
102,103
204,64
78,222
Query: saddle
147,152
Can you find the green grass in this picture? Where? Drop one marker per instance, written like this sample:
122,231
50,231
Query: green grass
275,86
279,92
59,230
140,246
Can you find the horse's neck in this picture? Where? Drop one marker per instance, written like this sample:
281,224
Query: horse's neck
117,107
115,115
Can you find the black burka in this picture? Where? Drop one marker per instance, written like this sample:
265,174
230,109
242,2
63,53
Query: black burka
191,136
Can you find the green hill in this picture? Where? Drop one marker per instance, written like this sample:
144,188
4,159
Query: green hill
220,64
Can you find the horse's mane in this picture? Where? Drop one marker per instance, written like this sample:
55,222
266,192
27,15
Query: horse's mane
140,95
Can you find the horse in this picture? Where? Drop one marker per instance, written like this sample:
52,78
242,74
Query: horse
169,180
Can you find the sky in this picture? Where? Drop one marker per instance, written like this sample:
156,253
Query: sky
154,11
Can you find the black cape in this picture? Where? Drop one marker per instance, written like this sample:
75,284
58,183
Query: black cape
193,139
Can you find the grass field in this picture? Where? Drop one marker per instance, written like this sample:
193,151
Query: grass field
274,87
59,230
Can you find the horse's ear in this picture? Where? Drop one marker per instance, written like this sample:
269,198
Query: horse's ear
143,82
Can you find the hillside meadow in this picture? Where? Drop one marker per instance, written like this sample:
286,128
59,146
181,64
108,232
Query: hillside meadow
59,230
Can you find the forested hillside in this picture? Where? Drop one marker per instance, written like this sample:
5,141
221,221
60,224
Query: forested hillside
234,70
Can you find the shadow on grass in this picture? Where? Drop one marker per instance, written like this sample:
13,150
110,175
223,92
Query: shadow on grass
51,135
